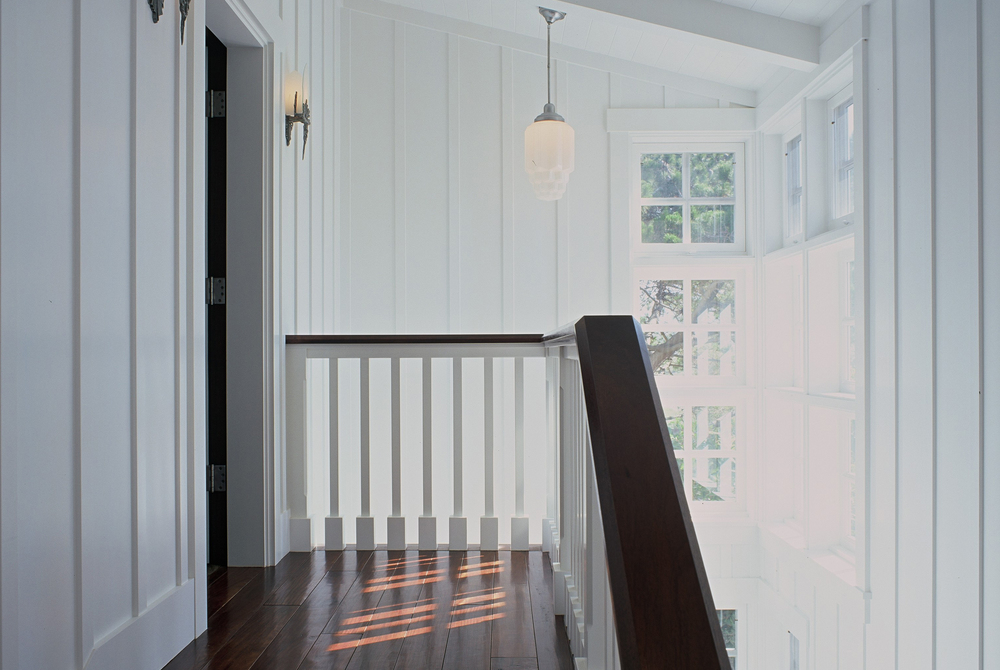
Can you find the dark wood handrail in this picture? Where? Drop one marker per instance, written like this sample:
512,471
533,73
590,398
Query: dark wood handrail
664,613
486,338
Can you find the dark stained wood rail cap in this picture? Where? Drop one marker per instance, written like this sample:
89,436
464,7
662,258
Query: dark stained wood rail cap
664,612
487,338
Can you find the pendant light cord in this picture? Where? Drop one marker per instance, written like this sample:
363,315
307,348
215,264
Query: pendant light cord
548,60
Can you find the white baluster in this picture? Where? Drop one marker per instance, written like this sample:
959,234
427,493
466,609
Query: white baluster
519,523
396,524
458,536
365,522
427,524
334,523
489,533
300,526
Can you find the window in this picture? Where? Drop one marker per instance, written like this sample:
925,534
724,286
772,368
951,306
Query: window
692,325
843,158
727,620
694,319
688,196
793,652
793,189
705,439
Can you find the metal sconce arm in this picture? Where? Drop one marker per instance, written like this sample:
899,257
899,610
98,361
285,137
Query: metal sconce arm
298,117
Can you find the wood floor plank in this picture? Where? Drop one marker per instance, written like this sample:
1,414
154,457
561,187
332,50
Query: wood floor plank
227,583
471,625
225,623
402,610
515,664
339,640
300,582
513,631
551,643
291,645
243,648
400,603
425,649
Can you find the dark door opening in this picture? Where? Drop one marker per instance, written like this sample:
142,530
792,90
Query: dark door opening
215,196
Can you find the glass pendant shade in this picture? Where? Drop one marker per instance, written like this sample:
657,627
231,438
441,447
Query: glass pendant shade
548,156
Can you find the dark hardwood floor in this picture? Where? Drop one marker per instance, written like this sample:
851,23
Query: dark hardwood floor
384,610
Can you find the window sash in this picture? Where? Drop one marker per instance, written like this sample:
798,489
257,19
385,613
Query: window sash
646,145
843,159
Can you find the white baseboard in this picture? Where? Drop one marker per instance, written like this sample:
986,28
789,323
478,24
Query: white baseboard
151,639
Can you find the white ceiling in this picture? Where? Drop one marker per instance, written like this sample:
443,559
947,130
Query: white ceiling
632,40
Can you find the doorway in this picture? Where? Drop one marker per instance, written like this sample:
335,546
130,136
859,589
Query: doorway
215,252
240,326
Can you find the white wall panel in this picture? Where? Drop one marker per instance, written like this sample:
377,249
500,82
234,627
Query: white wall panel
154,308
425,193
589,234
535,260
106,318
372,173
480,277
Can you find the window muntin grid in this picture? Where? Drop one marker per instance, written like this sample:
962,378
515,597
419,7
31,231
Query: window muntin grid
687,196
693,327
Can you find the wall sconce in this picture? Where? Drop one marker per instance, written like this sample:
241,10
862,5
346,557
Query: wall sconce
296,108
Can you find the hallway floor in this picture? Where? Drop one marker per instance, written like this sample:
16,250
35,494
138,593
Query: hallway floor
384,610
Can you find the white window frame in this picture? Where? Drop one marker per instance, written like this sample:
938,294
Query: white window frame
791,237
651,145
844,97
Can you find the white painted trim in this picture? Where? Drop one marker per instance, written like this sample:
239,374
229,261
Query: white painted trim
535,45
752,34
730,119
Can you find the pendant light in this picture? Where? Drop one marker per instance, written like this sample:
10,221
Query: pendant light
548,142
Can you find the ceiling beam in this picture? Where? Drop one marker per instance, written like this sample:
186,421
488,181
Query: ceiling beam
780,41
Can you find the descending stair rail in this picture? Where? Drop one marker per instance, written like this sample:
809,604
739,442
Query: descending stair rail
629,576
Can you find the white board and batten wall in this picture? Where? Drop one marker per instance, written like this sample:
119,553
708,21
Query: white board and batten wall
102,426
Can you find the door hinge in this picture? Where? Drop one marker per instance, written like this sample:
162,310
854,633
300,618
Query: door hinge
216,478
215,291
215,104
